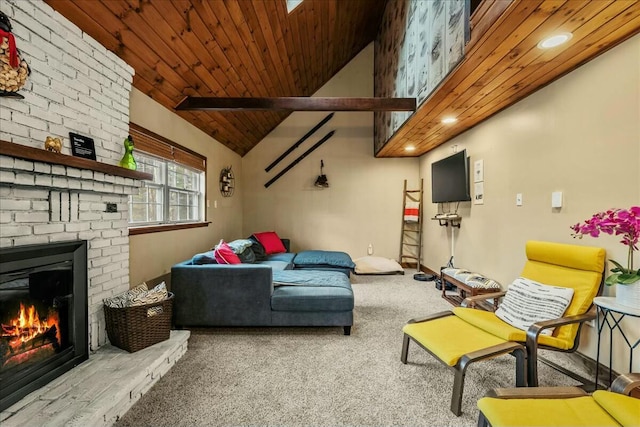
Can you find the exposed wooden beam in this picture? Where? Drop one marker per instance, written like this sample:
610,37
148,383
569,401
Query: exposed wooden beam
297,103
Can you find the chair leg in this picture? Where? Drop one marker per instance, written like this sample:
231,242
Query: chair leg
347,330
458,387
532,367
521,366
482,420
405,349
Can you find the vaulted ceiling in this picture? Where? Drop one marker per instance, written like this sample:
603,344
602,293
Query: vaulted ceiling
230,48
255,48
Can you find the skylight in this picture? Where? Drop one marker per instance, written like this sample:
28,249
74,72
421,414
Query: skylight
292,4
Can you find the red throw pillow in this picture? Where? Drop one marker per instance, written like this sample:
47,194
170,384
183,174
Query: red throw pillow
271,242
224,254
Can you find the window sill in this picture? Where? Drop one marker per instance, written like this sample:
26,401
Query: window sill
146,229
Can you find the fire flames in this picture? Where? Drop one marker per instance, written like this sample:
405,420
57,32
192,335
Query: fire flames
28,326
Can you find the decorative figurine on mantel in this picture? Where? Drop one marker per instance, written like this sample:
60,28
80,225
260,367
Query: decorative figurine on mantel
13,69
128,161
53,144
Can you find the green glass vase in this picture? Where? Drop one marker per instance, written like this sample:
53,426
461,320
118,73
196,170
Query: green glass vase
128,161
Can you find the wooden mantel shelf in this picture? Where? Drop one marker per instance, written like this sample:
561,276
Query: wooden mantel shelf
40,155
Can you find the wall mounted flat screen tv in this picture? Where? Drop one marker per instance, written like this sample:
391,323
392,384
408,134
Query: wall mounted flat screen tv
450,179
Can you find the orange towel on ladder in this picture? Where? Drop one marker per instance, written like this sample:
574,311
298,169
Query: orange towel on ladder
411,211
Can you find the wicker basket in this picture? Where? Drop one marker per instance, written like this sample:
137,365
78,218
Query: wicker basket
132,328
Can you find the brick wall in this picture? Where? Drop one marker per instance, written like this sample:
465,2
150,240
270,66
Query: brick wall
75,85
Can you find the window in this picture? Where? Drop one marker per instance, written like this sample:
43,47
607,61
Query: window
292,4
177,192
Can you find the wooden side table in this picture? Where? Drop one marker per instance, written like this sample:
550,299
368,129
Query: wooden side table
465,291
611,313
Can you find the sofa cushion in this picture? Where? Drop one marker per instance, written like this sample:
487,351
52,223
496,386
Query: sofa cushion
271,242
247,256
204,258
311,291
240,245
258,249
276,265
286,257
224,254
323,258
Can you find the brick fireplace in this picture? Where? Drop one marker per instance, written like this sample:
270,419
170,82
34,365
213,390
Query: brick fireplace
65,204
76,85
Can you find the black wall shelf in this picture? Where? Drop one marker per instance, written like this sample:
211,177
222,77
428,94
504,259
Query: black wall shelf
444,222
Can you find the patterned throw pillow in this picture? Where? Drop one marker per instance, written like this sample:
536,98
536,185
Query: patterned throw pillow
140,295
458,273
157,294
271,242
123,299
527,302
481,282
224,254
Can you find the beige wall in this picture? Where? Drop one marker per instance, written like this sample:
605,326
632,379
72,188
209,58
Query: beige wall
579,135
364,202
153,254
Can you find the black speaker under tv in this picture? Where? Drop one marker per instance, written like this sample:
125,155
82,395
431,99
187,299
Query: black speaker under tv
450,179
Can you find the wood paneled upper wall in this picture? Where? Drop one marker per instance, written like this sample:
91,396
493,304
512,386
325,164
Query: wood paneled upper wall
246,48
503,64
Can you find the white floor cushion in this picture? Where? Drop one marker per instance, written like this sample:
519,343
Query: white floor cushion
377,265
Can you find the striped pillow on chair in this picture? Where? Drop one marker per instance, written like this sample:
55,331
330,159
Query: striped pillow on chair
527,302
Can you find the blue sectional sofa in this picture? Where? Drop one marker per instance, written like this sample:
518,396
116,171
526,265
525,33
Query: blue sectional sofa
271,292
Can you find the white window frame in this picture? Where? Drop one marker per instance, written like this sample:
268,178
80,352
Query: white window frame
161,182
176,171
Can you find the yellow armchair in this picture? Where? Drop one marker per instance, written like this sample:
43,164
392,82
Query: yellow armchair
463,335
562,406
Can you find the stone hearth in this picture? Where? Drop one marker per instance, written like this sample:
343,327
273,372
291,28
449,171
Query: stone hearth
99,391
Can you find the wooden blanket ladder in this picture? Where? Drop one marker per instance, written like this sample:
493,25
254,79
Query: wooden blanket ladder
411,234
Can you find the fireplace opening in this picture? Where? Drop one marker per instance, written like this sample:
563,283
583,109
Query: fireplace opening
43,315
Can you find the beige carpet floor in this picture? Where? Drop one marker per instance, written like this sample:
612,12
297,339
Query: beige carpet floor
319,377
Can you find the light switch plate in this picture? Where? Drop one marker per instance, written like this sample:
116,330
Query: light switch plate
556,199
519,199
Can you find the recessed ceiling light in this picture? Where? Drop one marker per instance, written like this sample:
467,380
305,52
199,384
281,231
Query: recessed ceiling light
449,120
555,40
409,148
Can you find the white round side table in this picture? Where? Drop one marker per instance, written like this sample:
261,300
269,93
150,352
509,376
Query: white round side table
611,313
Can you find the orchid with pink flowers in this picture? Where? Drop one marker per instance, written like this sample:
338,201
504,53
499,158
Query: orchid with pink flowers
621,222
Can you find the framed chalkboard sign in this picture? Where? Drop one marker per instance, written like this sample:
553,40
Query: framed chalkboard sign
82,146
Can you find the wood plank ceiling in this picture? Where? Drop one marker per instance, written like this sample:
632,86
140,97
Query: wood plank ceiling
254,48
230,48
